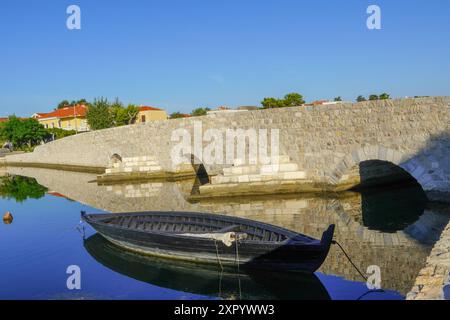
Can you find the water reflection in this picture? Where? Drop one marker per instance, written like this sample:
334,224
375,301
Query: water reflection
392,208
21,188
204,280
390,229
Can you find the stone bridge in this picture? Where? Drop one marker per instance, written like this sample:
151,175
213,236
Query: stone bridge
327,147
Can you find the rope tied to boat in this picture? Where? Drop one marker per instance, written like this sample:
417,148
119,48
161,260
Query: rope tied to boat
349,259
357,269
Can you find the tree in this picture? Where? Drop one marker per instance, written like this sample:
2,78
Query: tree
385,96
58,133
118,113
200,112
290,100
293,100
63,104
361,99
373,97
132,113
23,133
123,116
269,103
66,103
99,115
176,115
337,99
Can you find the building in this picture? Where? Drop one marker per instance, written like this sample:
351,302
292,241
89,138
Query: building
150,114
225,109
68,118
326,103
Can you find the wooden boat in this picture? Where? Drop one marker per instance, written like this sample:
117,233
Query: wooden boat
210,238
204,279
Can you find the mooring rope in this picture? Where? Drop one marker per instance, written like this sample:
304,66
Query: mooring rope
237,261
218,256
349,259
359,271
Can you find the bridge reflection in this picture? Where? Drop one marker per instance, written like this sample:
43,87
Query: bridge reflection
398,243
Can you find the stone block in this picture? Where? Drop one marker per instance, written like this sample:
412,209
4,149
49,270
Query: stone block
296,175
243,179
255,178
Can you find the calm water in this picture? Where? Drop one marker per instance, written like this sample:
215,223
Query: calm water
391,229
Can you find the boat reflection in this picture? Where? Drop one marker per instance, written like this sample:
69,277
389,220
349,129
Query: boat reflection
203,279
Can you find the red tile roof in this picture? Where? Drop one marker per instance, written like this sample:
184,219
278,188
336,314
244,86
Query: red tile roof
68,112
319,102
56,194
146,108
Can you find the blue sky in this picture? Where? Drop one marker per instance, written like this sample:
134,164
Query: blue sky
182,54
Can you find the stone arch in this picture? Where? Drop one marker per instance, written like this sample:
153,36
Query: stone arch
115,159
417,167
199,168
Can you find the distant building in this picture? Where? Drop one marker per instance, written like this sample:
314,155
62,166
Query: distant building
147,114
318,102
68,118
225,109
325,103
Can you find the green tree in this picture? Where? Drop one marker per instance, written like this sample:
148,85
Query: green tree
21,188
63,104
132,113
293,100
23,133
373,97
99,115
337,99
361,99
123,116
118,114
176,115
200,112
66,103
385,96
59,133
269,103
290,100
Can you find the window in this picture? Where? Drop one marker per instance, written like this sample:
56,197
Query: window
143,118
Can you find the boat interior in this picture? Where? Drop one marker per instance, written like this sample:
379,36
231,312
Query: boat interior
165,223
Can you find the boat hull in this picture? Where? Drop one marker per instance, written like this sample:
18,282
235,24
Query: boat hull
289,256
205,279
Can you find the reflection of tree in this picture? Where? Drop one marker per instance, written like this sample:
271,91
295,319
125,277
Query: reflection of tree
21,188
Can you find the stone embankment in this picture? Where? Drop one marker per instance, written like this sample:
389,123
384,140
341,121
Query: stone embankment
433,281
